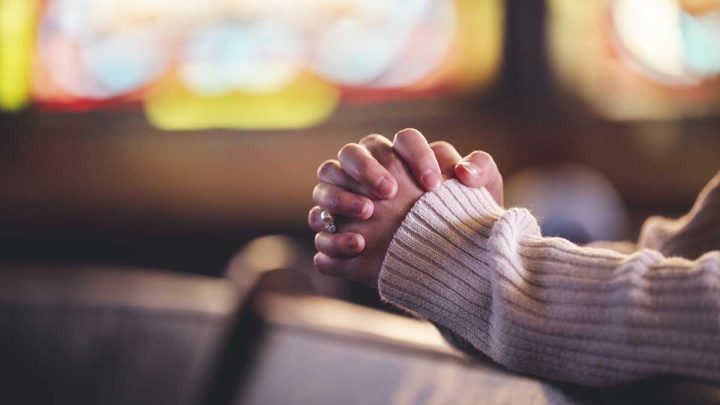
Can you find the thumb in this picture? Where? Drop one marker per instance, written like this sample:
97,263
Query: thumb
447,157
478,169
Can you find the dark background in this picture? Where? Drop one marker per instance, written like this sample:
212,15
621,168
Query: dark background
105,187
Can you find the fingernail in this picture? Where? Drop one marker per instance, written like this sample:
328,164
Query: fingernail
385,187
359,207
471,168
431,179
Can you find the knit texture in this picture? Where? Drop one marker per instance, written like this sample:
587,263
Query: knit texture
547,307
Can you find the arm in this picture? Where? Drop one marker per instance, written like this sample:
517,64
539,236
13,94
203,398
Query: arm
692,234
545,306
688,236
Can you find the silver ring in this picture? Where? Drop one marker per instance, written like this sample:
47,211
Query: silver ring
328,221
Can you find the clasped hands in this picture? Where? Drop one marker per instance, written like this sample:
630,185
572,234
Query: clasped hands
373,185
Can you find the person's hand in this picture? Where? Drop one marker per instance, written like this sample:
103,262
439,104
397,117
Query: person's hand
375,232
347,184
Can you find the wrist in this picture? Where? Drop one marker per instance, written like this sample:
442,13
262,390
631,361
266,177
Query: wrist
444,234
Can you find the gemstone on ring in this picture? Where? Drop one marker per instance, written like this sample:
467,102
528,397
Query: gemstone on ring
328,220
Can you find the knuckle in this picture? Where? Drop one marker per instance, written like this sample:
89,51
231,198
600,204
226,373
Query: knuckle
347,150
325,196
311,218
442,145
322,268
373,139
381,152
320,264
317,193
326,169
406,135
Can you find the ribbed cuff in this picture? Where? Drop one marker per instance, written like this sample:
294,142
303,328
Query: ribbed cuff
545,306
444,238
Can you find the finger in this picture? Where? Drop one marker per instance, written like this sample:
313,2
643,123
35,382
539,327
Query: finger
411,145
314,220
340,201
331,172
447,157
330,266
479,169
359,164
344,245
380,148
345,268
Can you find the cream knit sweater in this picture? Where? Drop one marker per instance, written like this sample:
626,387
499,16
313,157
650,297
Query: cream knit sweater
547,307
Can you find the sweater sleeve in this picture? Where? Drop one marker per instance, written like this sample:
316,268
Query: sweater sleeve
692,234
545,306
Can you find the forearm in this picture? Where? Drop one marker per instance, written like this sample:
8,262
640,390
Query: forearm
545,306
691,235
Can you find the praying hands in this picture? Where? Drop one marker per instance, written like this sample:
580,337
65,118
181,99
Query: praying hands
373,185
448,252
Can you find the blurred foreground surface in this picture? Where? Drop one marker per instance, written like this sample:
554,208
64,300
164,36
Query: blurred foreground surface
113,336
